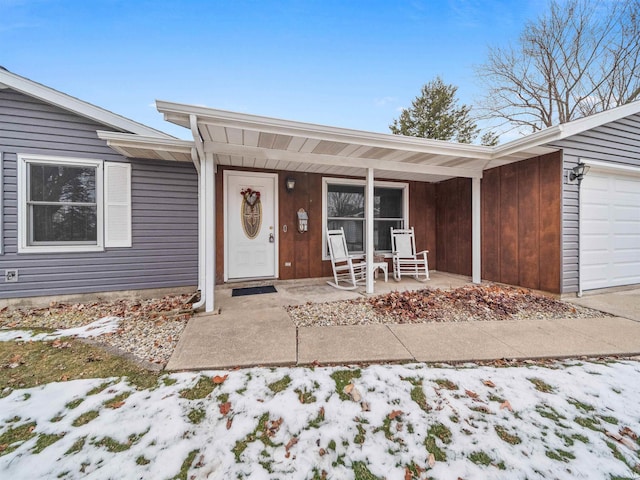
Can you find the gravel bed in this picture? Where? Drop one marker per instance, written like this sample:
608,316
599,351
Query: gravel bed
149,329
469,303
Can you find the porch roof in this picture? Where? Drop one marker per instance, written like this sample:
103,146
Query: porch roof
244,140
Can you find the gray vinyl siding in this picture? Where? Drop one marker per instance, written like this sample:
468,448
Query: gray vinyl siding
164,211
616,142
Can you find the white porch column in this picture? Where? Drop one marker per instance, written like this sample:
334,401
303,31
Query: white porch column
209,211
476,263
369,249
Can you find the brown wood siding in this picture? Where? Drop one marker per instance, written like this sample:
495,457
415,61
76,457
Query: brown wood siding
521,223
453,226
304,250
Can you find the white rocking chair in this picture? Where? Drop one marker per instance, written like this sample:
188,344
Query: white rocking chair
345,269
406,261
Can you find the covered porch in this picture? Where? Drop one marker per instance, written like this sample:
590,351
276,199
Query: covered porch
441,185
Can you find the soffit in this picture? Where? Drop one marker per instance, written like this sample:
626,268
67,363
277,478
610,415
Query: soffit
250,141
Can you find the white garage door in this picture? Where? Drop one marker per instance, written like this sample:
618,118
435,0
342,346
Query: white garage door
609,230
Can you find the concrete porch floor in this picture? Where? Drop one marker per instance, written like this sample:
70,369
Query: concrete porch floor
256,330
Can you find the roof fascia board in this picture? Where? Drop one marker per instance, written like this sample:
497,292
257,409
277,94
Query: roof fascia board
128,140
222,148
179,113
72,104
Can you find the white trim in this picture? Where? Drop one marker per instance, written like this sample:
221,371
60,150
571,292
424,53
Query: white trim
476,237
369,219
208,173
23,228
404,186
75,105
118,231
615,168
276,226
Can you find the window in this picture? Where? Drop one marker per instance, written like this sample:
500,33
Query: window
62,204
344,205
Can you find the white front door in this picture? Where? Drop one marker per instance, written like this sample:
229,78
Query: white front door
250,224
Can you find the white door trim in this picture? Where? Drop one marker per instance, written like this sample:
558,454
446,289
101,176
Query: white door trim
225,180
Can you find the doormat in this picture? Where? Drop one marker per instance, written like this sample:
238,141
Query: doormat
239,292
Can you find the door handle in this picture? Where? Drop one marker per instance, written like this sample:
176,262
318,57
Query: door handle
271,238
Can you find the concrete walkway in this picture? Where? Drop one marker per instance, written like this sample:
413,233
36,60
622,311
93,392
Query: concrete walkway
256,330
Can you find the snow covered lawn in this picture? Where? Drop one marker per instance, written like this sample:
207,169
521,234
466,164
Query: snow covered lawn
557,420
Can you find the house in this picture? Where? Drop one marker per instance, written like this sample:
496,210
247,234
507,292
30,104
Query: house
515,213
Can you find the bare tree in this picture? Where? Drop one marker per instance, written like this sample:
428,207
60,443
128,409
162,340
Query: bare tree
579,58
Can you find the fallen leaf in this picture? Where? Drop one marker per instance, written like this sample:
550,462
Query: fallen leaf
471,394
506,405
322,452
629,433
627,442
348,388
3,447
229,422
489,383
365,406
15,358
225,408
431,460
407,474
218,379
394,414
64,378
355,395
291,443
115,405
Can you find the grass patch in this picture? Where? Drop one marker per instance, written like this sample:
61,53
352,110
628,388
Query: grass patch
57,418
196,415
342,378
74,403
142,460
114,446
184,469
315,423
261,432
45,364
77,446
100,388
361,472
560,455
541,385
116,402
505,436
44,440
360,436
203,387
447,384
480,458
85,418
15,436
305,396
280,385
609,419
548,412
168,381
437,431
588,422
585,407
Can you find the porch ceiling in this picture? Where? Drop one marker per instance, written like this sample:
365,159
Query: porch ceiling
137,146
251,141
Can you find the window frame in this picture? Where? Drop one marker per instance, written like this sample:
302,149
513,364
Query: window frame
24,219
326,181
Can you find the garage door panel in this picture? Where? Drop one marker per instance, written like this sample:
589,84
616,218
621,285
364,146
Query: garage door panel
609,230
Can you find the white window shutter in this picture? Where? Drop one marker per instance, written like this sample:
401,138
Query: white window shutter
117,204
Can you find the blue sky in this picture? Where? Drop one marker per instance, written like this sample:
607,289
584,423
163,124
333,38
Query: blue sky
342,63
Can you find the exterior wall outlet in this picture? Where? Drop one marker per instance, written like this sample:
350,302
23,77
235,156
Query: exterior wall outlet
11,275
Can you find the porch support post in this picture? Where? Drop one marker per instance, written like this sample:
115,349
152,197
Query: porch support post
209,212
476,263
369,224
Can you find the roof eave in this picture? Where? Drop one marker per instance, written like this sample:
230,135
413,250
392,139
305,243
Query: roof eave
77,106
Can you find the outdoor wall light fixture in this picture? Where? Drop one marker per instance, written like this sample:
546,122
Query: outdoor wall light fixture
578,172
290,184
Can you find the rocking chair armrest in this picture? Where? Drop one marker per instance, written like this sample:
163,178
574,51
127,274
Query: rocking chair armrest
423,252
